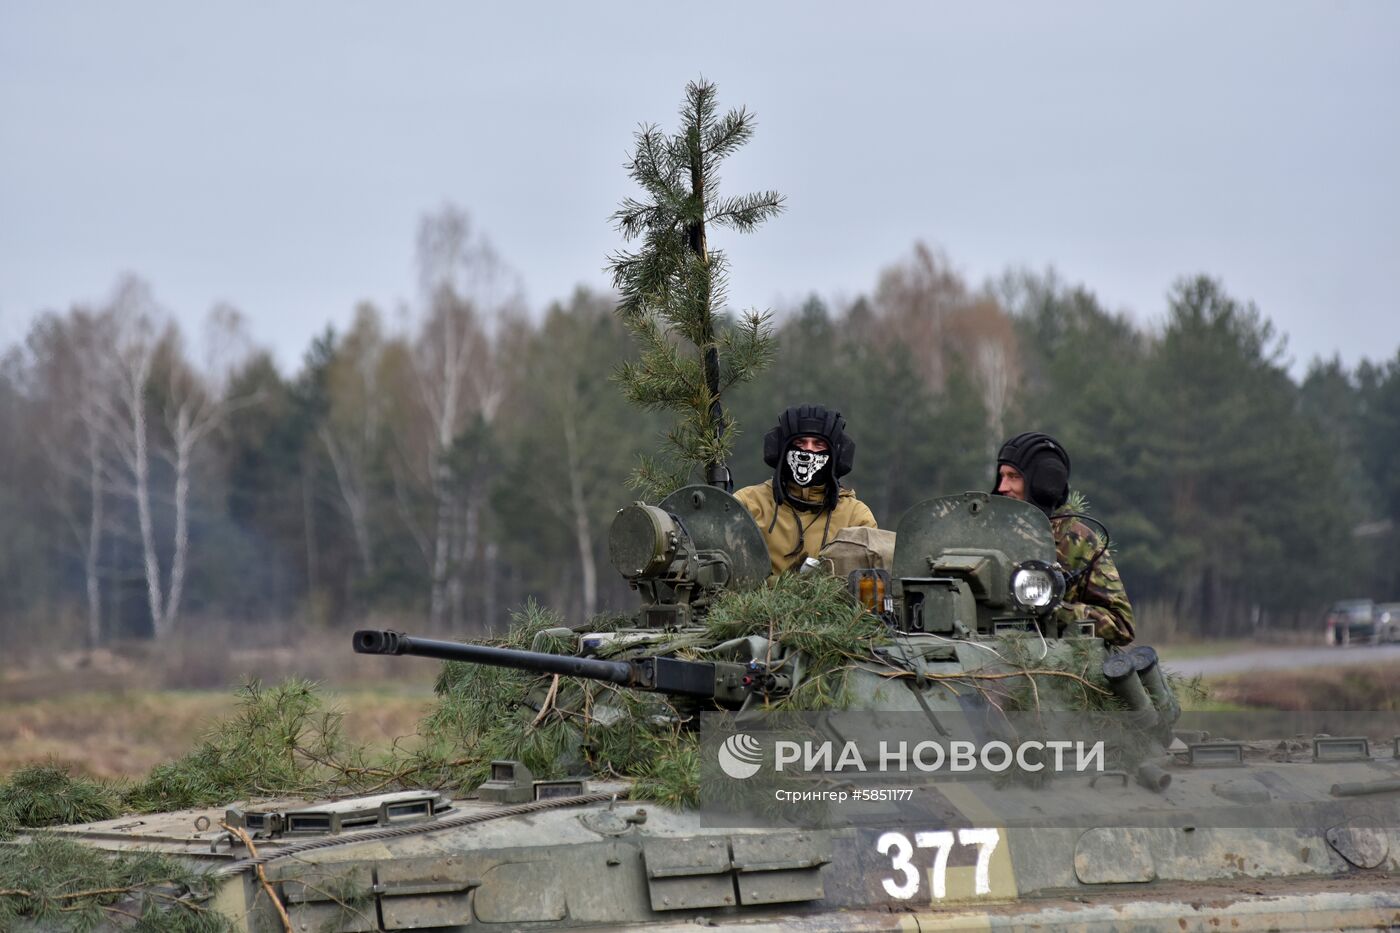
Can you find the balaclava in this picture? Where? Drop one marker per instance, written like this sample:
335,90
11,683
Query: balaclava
803,467
806,467
1045,465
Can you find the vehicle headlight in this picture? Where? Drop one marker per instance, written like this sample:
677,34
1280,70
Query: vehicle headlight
1037,586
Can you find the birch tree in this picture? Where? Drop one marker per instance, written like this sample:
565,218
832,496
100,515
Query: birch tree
572,431
351,432
459,383
191,410
72,378
985,337
138,336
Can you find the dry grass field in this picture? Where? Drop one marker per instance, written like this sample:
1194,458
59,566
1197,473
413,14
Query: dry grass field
112,734
119,712
1361,687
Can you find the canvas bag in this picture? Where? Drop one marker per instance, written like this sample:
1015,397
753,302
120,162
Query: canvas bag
858,549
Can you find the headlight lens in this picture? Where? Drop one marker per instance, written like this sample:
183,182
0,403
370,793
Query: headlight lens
1034,588
1036,585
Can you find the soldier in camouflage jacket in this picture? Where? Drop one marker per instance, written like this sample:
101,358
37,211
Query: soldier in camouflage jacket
1093,589
1034,467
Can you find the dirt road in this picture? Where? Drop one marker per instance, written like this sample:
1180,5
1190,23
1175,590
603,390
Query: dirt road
1281,659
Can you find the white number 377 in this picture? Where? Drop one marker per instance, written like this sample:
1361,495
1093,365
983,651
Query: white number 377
897,847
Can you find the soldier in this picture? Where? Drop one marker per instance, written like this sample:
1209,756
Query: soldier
809,453
1034,467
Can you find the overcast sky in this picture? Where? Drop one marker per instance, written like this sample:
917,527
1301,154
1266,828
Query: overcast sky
278,156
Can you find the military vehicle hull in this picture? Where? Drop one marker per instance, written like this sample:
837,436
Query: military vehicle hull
587,864
1282,842
1175,830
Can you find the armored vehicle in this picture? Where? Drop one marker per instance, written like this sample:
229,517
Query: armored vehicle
1163,824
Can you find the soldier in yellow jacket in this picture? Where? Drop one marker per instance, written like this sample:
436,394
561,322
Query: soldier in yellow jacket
803,506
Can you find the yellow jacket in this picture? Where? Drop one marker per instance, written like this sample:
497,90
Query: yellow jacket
797,535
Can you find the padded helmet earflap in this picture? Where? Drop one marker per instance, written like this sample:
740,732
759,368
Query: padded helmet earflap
1047,485
773,444
845,450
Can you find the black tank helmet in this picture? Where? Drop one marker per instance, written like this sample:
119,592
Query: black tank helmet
1045,465
814,421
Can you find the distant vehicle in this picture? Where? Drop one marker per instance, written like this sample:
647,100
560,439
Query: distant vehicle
1387,622
1350,621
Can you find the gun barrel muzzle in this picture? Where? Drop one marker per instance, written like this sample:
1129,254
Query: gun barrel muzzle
370,641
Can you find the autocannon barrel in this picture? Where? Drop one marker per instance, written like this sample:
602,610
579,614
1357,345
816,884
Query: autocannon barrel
660,674
369,641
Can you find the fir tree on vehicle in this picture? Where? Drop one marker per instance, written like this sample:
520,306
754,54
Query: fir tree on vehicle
673,288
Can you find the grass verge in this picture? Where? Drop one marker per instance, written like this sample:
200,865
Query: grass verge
1361,687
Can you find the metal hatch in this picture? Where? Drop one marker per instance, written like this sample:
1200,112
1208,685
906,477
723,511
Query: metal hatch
750,870
333,817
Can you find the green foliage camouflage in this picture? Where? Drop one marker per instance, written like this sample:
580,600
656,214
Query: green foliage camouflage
48,795
279,741
809,613
1069,678
569,727
1060,675
57,884
672,289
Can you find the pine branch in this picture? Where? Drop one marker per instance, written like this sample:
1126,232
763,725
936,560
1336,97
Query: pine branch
747,348
747,211
698,113
731,131
671,289
655,480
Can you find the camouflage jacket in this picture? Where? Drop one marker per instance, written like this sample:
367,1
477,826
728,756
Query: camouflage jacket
1092,594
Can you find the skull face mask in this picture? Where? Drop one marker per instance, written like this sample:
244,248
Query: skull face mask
805,465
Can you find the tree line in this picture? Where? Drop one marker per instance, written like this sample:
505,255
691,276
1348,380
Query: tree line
442,468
